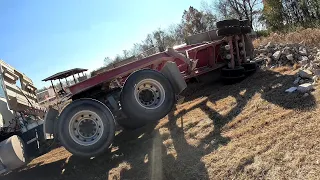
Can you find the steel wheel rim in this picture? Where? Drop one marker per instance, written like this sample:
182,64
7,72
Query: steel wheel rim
86,128
151,88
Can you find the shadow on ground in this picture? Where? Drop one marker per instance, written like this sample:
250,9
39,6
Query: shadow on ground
141,154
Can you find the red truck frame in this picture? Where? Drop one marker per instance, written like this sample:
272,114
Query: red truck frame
145,90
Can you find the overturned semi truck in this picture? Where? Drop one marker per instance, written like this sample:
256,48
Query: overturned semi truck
145,88
130,94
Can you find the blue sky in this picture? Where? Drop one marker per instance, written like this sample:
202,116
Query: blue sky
42,37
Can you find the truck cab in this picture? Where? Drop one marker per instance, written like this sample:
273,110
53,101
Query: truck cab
21,119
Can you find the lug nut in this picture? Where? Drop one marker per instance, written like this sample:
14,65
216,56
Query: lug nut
227,47
228,56
240,45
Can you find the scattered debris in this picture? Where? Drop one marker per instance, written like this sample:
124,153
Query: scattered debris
276,55
294,55
306,87
290,57
292,89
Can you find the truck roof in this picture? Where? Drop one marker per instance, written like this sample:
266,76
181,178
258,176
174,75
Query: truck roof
65,74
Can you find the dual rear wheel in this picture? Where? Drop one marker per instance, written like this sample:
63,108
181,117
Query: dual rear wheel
87,126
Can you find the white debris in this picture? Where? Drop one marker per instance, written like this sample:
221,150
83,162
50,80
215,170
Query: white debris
303,52
290,57
305,74
292,89
276,55
304,58
306,87
315,79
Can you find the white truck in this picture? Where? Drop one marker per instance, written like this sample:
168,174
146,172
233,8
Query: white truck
21,119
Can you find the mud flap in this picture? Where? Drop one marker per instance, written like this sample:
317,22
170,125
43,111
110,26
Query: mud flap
50,119
172,72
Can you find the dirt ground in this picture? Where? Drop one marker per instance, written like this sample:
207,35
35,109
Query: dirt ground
249,130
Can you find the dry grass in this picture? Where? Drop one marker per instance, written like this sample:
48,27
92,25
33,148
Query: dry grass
250,130
310,37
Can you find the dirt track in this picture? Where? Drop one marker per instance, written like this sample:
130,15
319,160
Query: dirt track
250,130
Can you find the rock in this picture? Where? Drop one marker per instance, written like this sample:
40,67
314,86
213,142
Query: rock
306,87
304,58
316,72
316,78
297,80
301,81
305,74
292,89
303,52
269,45
306,95
304,62
269,61
290,57
276,55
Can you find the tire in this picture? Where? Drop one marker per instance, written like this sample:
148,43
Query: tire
227,23
238,71
229,31
95,119
147,96
250,67
244,22
13,152
246,30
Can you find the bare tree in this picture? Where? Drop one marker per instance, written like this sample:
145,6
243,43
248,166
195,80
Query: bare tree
195,21
242,9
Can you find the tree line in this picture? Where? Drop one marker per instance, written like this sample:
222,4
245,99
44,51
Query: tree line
268,15
193,21
282,15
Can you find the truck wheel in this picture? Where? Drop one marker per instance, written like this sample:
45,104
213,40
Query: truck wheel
250,67
147,96
229,31
12,152
230,76
86,127
227,23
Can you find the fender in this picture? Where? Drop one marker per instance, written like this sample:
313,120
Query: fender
50,120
